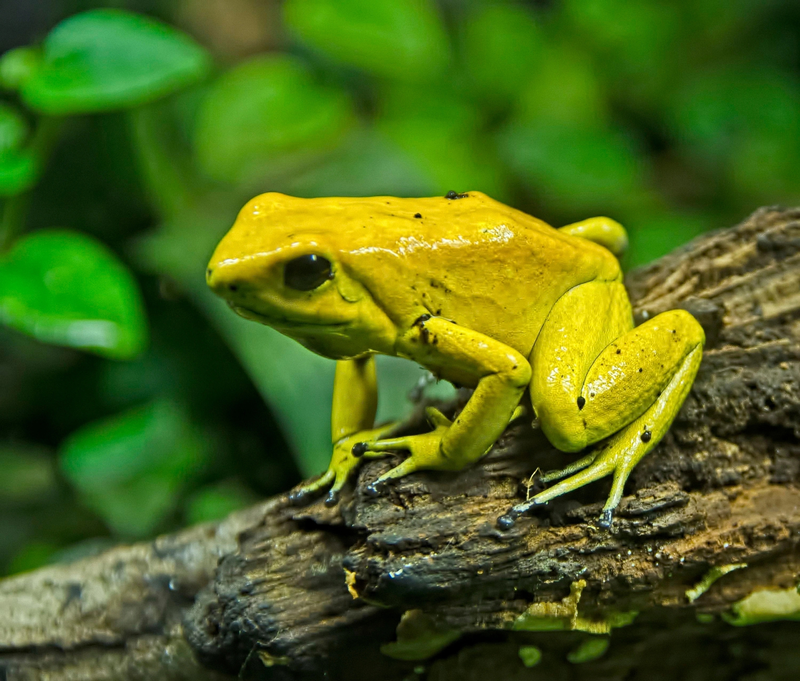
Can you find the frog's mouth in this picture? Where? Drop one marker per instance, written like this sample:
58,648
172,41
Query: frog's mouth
283,322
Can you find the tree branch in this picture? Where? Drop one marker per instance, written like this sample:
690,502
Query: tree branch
299,593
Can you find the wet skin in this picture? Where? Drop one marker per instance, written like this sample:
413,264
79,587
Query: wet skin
480,294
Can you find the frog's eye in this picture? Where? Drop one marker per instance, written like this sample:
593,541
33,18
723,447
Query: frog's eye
307,272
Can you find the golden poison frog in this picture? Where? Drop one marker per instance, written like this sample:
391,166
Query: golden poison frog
480,294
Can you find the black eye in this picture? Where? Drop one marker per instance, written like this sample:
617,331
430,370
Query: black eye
307,272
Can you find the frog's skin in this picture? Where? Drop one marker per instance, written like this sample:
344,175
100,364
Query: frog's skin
481,295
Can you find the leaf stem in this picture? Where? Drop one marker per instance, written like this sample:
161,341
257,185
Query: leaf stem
45,137
15,208
166,179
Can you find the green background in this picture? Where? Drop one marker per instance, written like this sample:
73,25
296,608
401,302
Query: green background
131,400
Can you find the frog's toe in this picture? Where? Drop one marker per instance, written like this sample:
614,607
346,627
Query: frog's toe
300,497
307,492
436,418
606,518
519,412
336,489
399,471
393,444
507,521
376,488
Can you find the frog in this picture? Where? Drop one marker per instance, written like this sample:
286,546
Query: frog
534,319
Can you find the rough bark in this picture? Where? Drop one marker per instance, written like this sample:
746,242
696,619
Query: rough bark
278,592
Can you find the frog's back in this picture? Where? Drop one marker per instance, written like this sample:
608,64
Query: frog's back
476,261
470,258
471,223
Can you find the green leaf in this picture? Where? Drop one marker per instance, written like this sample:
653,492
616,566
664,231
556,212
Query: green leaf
132,468
17,66
565,88
715,110
575,169
66,288
400,39
111,59
657,233
263,109
764,169
365,164
743,124
530,655
632,38
440,132
502,47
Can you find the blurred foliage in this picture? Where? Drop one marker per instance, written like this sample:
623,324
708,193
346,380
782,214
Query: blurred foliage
107,59
65,288
131,400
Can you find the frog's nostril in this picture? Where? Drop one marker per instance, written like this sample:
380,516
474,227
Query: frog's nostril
224,281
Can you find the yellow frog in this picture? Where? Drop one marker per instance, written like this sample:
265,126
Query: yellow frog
480,294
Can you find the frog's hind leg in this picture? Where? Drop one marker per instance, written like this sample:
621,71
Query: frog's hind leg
626,393
624,450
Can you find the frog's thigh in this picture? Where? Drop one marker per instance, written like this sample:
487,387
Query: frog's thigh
581,325
622,382
621,452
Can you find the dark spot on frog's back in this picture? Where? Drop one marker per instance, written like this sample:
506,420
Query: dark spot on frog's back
424,334
418,216
455,195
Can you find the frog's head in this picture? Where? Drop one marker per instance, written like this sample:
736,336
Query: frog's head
280,265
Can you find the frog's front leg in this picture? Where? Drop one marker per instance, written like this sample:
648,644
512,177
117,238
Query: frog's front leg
596,378
355,401
500,375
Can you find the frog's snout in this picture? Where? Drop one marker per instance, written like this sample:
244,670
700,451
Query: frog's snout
222,281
